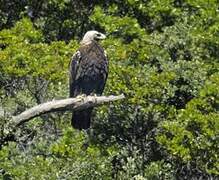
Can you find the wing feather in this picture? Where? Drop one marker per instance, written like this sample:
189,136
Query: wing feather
73,68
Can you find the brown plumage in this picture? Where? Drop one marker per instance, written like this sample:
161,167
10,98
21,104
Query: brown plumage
88,74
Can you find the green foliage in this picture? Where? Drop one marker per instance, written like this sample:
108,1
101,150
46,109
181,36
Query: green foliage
25,54
68,158
163,56
193,135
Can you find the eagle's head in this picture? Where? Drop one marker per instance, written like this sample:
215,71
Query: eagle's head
91,36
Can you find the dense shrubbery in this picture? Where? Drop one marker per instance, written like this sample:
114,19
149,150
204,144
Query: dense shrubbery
163,57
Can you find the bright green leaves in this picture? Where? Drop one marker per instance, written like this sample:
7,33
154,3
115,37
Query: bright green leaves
70,157
22,32
74,147
71,144
125,26
25,54
211,87
193,135
159,7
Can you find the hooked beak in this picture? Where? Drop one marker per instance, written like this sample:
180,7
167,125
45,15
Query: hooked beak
100,36
103,36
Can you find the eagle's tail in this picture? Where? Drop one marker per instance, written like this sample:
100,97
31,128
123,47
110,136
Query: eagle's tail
81,119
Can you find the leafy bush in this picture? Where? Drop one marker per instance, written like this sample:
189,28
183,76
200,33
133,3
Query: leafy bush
163,56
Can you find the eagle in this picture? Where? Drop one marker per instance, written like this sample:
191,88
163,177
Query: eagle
88,74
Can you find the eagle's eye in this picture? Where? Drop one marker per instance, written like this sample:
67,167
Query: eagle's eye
98,35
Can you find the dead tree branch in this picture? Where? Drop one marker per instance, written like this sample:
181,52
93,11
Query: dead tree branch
70,104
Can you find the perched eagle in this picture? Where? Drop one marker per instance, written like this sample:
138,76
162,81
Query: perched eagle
88,74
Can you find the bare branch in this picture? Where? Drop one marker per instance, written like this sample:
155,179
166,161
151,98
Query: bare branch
70,104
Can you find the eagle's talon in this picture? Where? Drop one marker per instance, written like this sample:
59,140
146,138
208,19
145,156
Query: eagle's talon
81,96
93,94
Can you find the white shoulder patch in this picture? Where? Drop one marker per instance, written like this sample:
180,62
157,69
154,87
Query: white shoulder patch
77,54
105,53
75,59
